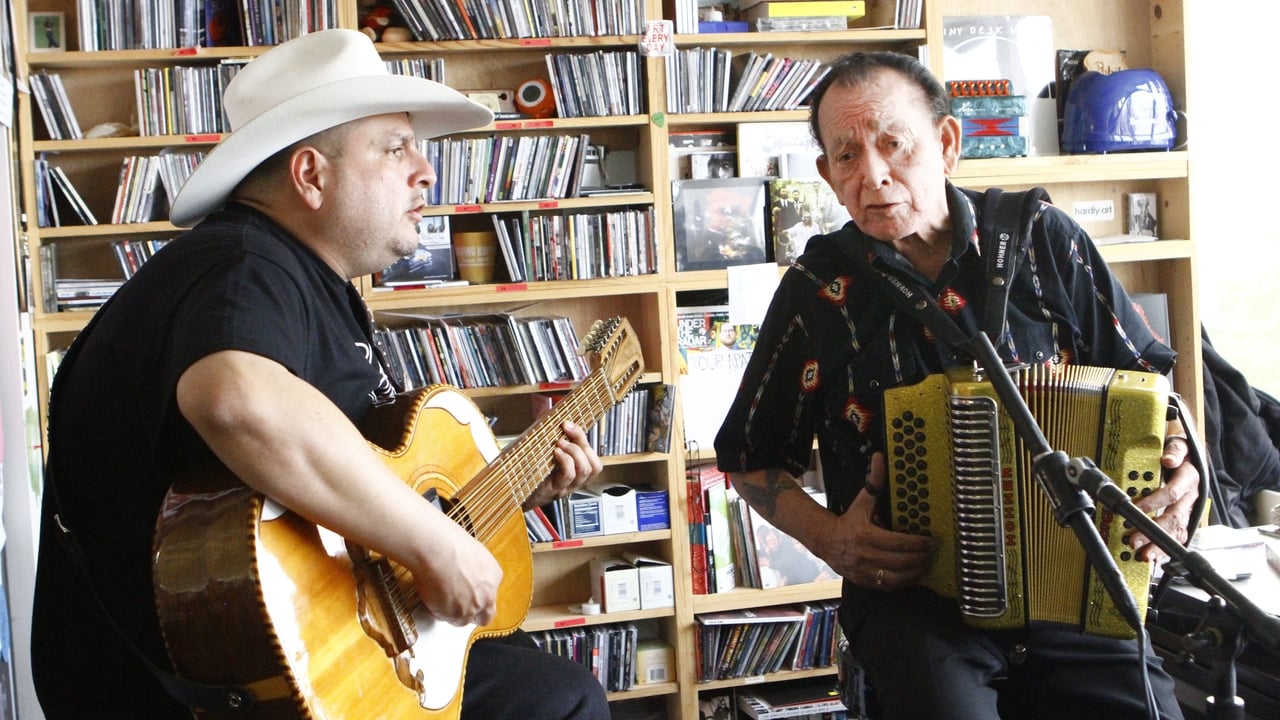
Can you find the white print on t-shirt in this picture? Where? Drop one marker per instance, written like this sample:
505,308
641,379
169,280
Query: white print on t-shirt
385,392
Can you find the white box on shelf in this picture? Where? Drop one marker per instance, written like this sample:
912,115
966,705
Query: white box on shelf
615,584
657,581
655,662
617,509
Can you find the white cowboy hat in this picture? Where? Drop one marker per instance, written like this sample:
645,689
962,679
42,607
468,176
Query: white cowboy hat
306,85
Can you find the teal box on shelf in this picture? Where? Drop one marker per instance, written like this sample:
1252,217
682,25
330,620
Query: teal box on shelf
653,511
994,146
990,106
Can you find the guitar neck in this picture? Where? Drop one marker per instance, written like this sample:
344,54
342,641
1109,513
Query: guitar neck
512,477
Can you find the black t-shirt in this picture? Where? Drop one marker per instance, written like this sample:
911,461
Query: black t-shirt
236,282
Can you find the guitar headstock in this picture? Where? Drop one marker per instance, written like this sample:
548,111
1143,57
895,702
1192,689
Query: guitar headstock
611,348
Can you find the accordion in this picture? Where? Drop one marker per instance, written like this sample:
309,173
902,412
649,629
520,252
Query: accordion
958,472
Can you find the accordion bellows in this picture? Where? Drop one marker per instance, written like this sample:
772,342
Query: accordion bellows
958,472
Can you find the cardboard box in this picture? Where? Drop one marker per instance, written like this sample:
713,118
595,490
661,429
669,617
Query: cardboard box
615,584
584,514
617,509
657,581
653,509
655,662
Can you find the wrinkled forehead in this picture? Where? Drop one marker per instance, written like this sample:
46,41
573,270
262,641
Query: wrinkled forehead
886,102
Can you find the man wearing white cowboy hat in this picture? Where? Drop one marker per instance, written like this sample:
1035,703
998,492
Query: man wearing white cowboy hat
245,341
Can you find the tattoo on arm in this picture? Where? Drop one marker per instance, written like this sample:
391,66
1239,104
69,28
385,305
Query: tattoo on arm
765,497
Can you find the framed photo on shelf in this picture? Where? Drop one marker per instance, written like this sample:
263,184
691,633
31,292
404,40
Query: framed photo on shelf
798,210
719,222
1143,215
46,31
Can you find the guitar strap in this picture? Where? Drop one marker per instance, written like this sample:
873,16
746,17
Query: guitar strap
228,700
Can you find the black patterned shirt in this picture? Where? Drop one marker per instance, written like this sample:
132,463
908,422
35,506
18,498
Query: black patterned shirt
833,341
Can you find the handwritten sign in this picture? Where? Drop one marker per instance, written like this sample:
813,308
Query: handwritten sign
658,39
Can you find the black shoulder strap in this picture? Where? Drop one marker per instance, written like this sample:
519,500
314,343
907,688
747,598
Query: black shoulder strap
1005,234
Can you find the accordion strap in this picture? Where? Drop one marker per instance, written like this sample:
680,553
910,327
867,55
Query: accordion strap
1005,234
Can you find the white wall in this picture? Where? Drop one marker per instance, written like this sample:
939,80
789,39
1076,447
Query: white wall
21,512
1236,157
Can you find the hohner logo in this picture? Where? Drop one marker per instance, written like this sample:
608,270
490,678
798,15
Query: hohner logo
1002,250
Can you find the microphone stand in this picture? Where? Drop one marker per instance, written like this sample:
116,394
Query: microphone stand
1070,485
1229,613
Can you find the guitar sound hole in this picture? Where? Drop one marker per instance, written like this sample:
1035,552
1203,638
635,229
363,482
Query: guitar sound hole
448,507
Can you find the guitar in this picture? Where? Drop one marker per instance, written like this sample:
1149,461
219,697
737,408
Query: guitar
252,595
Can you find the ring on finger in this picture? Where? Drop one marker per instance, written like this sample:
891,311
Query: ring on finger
880,577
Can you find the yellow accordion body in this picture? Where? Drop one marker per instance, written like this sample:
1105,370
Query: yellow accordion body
958,472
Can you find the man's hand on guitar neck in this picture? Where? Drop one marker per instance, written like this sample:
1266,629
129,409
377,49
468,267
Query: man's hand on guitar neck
576,464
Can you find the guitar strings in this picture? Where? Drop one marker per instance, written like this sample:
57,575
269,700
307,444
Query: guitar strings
484,510
489,506
491,496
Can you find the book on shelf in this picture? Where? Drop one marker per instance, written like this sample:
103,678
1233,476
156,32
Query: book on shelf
175,168
540,526
53,184
54,106
816,646
791,699
661,418
138,191
84,293
223,23
47,211
81,208
1154,308
431,260
697,519
713,354
621,429
608,651
721,559
131,254
597,84
769,82
906,14
750,642
480,349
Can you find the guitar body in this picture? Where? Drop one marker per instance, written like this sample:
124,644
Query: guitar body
255,597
